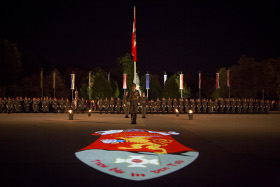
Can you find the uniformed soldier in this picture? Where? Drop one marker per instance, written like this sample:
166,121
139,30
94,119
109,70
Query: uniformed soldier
233,106
210,106
143,103
169,105
216,105
255,106
133,96
27,103
100,105
198,106
187,105
163,105
1,105
221,105
238,106
192,105
175,105
152,106
267,106
67,105
126,105
158,103
62,105
48,104
204,106
17,105
181,106
244,106
112,105
227,104
118,105
250,106
82,104
106,105
9,105
54,105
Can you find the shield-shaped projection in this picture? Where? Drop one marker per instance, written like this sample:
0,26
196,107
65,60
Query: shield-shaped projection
136,154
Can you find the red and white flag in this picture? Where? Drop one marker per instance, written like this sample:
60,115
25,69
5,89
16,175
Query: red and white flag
133,50
181,82
217,81
228,78
199,82
124,81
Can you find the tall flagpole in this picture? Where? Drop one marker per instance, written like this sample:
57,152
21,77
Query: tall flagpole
134,44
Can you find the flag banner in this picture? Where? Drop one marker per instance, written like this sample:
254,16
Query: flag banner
164,78
53,79
147,81
41,82
89,76
199,82
228,78
181,82
124,81
72,81
133,50
217,81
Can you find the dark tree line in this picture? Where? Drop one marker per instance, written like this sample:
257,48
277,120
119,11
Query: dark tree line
20,76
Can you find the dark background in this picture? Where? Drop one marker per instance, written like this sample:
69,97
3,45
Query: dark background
171,35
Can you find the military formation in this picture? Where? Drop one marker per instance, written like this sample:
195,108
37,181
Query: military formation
140,105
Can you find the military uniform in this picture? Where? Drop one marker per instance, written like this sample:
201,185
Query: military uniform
227,106
27,103
222,106
152,106
175,105
210,106
267,106
163,105
54,105
204,106
192,106
158,103
118,105
112,105
181,106
233,106
9,105
216,106
143,103
186,104
100,105
198,106
106,105
244,106
134,96
1,105
169,105
126,105
17,105
250,106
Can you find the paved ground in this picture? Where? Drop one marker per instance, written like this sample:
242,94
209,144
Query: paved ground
234,150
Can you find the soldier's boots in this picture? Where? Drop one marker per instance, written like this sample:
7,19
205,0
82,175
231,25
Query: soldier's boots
133,118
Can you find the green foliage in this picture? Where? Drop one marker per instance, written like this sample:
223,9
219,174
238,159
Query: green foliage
155,90
115,89
222,92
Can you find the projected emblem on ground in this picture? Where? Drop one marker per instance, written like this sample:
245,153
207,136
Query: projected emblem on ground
136,154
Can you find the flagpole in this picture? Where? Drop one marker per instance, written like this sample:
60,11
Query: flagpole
199,85
54,84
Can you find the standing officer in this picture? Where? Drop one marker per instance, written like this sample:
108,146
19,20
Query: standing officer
192,106
163,105
126,105
245,106
181,106
54,105
158,103
204,106
216,105
210,106
100,105
9,105
175,105
106,105
250,106
133,96
62,105
239,106
1,104
227,106
17,105
222,105
186,103
118,105
27,104
198,106
152,106
143,103
169,105
112,105
233,106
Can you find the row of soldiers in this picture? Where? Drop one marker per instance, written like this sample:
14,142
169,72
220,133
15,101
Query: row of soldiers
144,105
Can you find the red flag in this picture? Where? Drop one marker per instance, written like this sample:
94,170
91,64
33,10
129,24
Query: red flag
133,51
199,76
124,81
228,78
217,80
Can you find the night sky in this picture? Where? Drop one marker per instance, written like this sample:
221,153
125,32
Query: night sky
171,36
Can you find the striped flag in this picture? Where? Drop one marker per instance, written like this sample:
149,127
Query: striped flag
73,81
217,81
147,81
199,80
181,82
228,78
124,81
133,51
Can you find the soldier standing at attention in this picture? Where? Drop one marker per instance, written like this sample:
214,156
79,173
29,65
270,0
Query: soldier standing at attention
198,106
210,106
169,105
106,105
227,106
100,105
233,104
186,103
204,106
118,105
1,105
175,105
67,105
17,105
181,106
158,103
245,106
163,105
54,105
143,103
9,105
152,106
222,106
134,97
250,106
126,105
62,105
112,105
216,106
